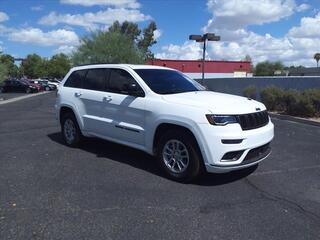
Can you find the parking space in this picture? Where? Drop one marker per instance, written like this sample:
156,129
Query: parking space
107,191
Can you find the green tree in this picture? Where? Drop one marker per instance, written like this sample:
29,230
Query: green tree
107,47
317,58
268,68
247,58
121,43
148,40
34,66
131,30
8,60
3,72
58,66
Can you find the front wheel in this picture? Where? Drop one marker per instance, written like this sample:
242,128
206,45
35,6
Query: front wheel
70,130
28,90
179,156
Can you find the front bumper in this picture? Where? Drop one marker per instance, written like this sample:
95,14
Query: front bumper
252,149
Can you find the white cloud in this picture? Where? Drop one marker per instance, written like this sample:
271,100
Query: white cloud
309,28
4,29
66,49
36,8
189,50
114,3
92,21
235,14
51,38
157,34
3,17
230,21
303,7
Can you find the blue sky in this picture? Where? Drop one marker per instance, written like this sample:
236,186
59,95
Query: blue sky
285,30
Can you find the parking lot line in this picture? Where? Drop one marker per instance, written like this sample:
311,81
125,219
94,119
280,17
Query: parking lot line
21,98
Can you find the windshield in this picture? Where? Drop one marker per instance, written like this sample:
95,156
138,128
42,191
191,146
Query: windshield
24,82
163,81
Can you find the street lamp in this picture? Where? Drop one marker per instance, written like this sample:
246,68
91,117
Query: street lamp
203,38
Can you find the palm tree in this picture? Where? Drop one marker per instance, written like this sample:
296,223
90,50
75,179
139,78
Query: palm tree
317,58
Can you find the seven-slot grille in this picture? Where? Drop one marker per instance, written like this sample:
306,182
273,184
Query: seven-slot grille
253,120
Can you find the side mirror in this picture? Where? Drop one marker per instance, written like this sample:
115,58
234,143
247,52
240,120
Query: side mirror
134,90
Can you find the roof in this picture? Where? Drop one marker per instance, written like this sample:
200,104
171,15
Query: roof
132,66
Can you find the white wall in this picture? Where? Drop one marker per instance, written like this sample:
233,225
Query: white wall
209,75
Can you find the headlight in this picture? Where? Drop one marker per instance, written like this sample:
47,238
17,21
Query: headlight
221,120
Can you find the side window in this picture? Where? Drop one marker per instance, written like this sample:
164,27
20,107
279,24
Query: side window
96,79
120,80
75,79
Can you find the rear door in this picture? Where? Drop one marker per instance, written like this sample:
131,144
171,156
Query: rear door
126,113
93,98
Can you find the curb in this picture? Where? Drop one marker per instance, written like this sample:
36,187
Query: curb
295,119
22,97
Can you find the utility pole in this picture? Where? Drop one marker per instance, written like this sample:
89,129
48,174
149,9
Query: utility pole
204,38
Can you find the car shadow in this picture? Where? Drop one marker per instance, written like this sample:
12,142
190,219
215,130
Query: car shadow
141,160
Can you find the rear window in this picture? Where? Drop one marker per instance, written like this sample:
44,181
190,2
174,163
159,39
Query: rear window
75,79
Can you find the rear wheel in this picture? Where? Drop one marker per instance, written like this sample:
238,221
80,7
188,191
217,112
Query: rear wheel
47,89
178,155
28,90
70,130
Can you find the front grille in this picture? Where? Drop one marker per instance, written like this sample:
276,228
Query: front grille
257,153
253,120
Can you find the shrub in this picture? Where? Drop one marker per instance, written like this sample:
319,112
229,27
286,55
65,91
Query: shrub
298,104
250,92
314,96
292,102
273,98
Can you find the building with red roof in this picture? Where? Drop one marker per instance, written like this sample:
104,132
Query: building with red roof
212,69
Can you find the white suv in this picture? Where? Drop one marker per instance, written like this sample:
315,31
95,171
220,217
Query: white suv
164,113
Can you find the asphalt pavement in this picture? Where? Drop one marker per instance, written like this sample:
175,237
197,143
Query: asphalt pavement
107,191
6,96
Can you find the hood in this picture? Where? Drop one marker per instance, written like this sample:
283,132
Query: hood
216,103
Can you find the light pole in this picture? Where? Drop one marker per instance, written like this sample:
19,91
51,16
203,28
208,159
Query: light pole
203,38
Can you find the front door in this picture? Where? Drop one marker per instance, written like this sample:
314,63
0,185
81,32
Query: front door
126,112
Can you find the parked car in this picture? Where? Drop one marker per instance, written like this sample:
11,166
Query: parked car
45,85
14,85
166,114
51,81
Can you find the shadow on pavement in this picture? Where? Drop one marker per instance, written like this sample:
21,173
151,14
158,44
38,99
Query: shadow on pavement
138,159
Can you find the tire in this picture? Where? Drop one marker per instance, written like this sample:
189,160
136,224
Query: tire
1,90
28,90
70,130
47,89
188,154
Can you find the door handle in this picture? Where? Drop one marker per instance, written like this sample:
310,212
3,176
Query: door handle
107,99
77,94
